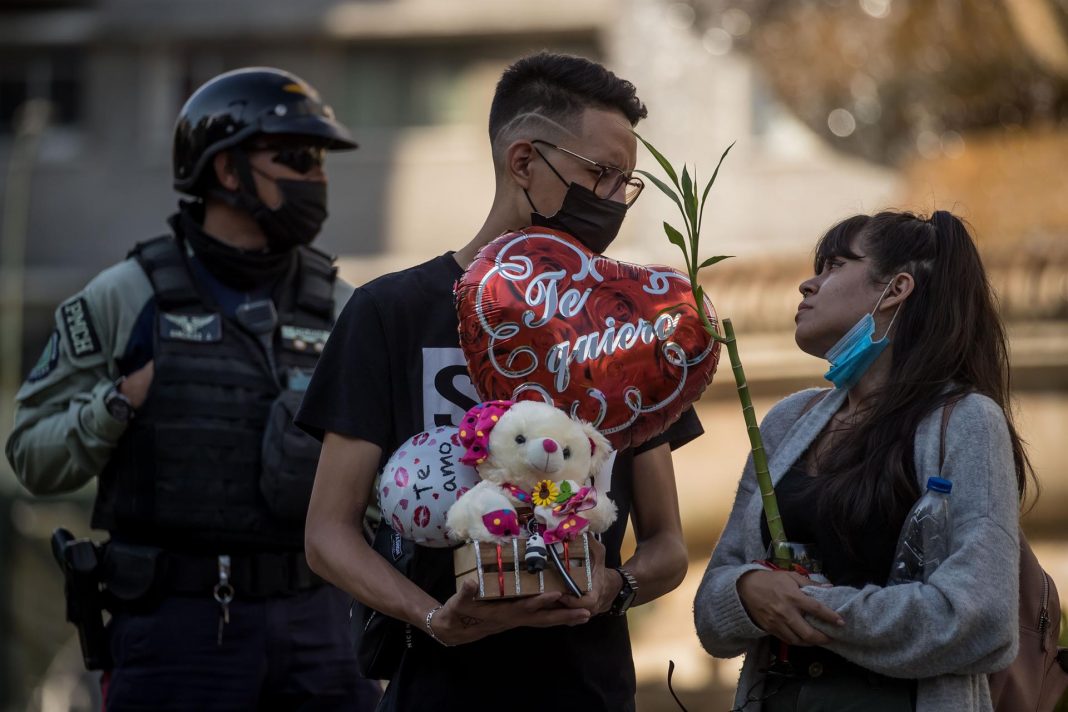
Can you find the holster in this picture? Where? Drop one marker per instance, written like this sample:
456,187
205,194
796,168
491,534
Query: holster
79,560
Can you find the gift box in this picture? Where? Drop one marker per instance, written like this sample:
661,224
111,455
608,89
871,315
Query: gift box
493,567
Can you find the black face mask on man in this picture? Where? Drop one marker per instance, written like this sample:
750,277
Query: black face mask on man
592,220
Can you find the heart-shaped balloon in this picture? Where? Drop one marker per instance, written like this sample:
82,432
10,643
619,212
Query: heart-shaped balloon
610,342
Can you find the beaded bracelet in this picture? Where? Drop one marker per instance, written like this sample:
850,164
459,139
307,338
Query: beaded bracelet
430,629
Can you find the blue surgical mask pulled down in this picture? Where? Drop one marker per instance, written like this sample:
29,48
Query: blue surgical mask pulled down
857,350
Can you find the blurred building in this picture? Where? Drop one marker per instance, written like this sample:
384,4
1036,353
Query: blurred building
413,79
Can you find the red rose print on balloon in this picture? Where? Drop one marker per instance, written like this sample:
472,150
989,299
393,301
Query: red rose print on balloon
541,317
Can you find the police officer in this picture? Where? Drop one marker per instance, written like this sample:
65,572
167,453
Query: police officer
172,378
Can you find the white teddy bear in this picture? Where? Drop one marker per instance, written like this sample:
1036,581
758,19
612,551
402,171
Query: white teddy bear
530,454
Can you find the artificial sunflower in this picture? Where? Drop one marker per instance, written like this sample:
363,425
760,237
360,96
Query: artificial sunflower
545,493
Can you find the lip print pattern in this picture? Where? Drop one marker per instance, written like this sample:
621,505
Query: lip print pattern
420,482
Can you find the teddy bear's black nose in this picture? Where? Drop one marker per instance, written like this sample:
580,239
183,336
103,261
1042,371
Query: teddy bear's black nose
549,444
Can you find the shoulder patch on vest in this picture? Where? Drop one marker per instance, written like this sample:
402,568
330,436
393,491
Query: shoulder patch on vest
48,360
79,327
304,340
199,328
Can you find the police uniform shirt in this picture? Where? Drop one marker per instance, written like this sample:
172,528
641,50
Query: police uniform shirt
393,368
63,434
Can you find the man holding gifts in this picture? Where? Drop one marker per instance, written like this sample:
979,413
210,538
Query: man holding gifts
563,152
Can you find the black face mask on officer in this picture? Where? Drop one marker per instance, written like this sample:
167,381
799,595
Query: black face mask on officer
592,220
296,221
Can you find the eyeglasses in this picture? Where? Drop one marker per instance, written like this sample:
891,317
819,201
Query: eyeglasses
610,180
301,158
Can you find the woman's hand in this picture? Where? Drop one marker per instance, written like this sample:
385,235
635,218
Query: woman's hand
463,619
776,603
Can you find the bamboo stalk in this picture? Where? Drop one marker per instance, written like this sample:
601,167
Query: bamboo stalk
684,195
780,552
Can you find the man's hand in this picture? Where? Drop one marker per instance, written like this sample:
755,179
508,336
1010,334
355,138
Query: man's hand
135,386
607,583
463,619
776,603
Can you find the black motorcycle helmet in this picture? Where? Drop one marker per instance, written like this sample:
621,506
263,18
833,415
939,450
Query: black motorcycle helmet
237,105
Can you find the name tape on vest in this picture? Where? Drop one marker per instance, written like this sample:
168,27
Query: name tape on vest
79,327
198,328
302,339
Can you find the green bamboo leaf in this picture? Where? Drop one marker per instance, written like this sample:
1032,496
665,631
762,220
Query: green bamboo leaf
695,235
675,237
664,163
699,298
664,188
718,164
697,205
713,260
704,197
690,199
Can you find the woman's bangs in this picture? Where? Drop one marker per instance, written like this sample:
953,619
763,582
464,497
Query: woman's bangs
838,241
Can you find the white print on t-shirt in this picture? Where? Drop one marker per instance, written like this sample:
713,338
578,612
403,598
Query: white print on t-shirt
447,389
602,481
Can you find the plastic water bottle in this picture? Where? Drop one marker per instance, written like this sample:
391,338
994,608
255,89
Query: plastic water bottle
924,540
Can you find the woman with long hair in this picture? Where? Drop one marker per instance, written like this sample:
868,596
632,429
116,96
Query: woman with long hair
902,308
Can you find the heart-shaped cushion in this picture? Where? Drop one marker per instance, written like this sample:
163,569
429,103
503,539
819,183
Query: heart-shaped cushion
610,342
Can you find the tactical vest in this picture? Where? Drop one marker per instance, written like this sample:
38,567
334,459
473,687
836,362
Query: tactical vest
212,461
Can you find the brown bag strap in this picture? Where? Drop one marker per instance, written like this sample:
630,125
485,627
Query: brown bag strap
947,410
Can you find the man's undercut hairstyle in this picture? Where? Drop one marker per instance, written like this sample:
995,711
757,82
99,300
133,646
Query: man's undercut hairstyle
558,88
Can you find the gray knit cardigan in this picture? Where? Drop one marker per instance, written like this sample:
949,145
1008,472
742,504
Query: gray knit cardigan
948,632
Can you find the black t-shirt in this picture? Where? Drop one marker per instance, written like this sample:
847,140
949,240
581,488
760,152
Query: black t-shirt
869,561
392,368
798,495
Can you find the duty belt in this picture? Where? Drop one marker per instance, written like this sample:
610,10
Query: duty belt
258,575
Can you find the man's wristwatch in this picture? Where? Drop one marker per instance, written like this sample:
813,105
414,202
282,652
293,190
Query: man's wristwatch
626,595
118,405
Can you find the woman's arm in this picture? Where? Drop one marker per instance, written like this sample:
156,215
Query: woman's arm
965,619
723,625
739,601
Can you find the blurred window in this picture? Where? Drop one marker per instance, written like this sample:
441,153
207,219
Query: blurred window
55,75
404,85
